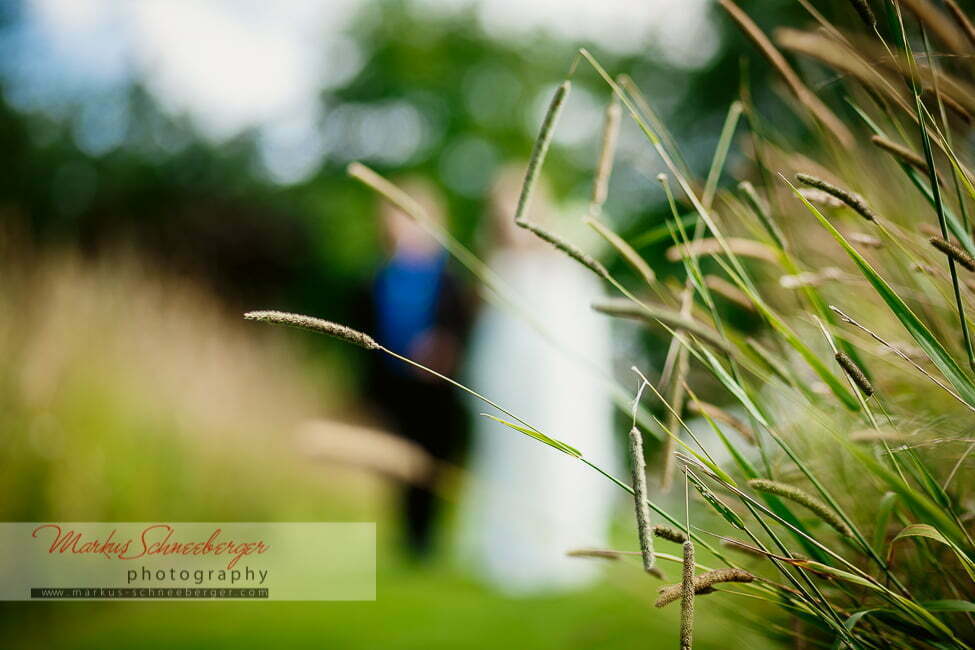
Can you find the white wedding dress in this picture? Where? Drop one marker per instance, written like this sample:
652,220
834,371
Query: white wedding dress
527,504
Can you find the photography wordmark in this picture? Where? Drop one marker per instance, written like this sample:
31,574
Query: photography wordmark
144,575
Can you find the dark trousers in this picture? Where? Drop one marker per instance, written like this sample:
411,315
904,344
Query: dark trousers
431,415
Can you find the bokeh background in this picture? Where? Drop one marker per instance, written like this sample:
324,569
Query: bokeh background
168,164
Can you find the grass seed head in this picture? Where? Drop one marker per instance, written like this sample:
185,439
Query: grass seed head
794,494
316,325
540,150
862,7
855,373
560,244
644,528
954,252
703,584
851,199
687,597
670,534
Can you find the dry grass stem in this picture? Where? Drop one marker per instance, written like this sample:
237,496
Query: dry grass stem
387,190
810,279
939,24
900,152
720,415
737,245
631,256
864,239
805,96
594,552
623,308
728,291
962,19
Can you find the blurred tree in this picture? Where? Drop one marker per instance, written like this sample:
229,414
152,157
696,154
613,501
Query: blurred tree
435,95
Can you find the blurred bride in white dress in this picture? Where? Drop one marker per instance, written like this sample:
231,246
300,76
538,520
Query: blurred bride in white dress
526,504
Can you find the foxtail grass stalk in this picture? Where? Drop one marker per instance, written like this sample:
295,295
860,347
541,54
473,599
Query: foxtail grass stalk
954,252
762,212
348,334
669,534
644,527
900,353
687,598
361,339
862,8
677,362
607,152
804,499
851,199
703,584
854,372
540,150
560,244
498,288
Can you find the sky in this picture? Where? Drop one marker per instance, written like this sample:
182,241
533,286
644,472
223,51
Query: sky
234,65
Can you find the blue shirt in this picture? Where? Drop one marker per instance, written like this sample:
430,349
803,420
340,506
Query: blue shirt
405,297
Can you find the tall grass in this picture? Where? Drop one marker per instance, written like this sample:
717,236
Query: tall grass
858,393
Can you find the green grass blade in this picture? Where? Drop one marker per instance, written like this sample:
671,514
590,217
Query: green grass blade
541,437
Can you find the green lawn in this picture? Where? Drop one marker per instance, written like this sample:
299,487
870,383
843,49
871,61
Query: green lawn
416,608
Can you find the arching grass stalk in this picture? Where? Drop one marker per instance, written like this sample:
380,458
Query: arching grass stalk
364,340
358,338
631,256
